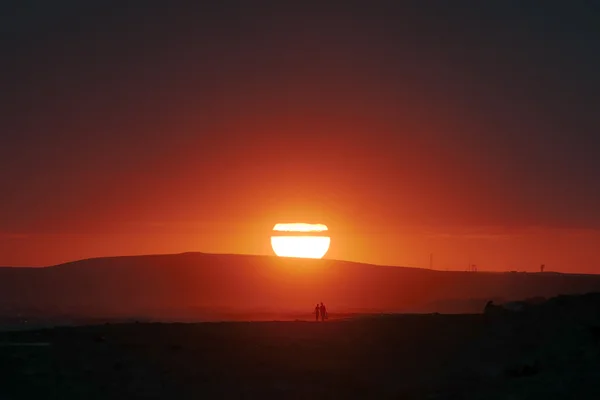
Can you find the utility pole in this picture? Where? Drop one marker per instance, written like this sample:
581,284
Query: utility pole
430,260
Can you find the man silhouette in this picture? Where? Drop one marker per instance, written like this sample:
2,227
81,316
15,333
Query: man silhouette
323,311
317,312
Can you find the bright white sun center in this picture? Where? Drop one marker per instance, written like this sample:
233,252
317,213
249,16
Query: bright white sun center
311,241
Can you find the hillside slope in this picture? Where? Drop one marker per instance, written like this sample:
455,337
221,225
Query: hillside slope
197,283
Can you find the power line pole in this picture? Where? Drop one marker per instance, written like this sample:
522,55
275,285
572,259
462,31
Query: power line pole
430,260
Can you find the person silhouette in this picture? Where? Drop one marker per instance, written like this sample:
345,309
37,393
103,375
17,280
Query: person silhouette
323,311
317,312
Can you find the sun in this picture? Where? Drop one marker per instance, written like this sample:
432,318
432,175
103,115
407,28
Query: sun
300,240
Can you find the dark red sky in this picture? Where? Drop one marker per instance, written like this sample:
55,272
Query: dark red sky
469,130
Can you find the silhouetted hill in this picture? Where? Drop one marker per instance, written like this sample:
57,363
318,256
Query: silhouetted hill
209,286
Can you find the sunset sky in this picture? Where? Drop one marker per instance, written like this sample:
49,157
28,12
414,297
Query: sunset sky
470,130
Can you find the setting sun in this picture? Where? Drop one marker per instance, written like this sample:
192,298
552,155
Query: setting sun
300,240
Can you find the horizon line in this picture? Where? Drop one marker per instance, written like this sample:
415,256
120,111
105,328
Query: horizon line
290,258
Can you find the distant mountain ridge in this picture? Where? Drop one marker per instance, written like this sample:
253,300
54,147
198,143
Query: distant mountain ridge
197,284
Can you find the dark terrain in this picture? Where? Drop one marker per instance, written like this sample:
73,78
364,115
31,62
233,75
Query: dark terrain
547,351
210,287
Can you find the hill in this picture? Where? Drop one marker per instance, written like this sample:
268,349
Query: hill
210,286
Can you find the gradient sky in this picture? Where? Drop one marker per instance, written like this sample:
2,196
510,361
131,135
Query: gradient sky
470,130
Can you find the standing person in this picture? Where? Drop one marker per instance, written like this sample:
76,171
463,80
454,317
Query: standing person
317,312
323,311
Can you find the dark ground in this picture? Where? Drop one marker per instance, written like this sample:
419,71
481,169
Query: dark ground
551,353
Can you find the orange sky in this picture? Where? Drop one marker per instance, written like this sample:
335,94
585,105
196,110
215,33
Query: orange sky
405,132
489,249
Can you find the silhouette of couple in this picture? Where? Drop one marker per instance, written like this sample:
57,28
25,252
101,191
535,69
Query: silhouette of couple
320,310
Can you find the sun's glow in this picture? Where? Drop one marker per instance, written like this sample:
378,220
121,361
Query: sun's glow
310,242
300,227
